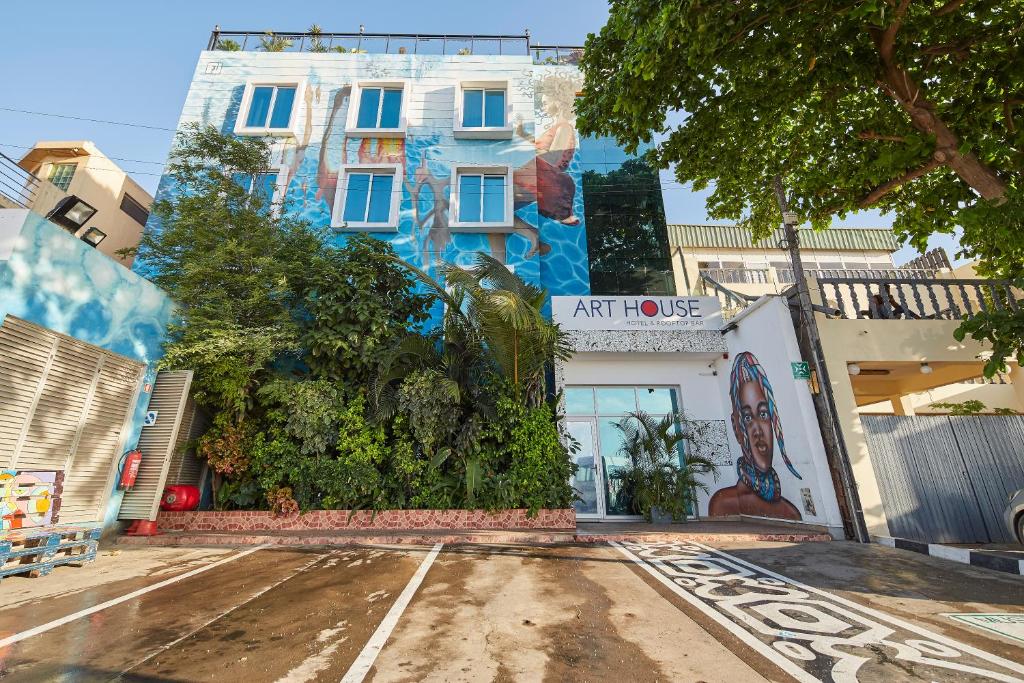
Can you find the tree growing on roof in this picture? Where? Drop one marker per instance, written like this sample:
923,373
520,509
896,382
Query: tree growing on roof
914,107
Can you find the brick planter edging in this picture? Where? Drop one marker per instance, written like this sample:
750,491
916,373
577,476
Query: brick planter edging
325,520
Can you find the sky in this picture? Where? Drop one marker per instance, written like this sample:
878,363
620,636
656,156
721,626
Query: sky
132,63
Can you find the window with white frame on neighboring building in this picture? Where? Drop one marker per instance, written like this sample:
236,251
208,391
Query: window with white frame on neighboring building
482,197
379,108
269,108
367,197
61,175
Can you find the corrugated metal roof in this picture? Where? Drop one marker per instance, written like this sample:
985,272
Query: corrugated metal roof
735,237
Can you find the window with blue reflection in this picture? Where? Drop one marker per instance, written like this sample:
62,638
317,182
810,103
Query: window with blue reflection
472,108
469,198
494,108
615,400
368,197
391,108
579,401
380,198
380,108
494,199
267,185
369,106
282,108
357,194
259,106
483,108
658,401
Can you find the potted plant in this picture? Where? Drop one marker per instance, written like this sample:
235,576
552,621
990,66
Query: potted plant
660,481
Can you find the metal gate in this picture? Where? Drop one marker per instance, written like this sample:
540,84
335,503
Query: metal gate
946,479
64,405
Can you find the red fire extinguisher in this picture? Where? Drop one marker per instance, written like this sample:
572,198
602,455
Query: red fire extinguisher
129,470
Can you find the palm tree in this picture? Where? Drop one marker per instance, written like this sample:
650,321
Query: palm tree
272,43
659,476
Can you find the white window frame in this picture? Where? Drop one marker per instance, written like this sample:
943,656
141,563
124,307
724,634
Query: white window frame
483,132
338,213
352,130
280,187
293,122
505,225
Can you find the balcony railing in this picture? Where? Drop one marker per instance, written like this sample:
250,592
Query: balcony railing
21,189
393,43
915,298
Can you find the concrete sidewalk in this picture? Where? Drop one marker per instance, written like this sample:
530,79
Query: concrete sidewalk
585,533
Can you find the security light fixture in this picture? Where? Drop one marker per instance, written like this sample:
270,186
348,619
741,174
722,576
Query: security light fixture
71,213
93,237
789,217
926,369
853,369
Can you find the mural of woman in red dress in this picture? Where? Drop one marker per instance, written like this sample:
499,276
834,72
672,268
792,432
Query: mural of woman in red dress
756,424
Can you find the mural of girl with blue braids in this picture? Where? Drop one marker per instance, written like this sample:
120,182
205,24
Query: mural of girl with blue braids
756,423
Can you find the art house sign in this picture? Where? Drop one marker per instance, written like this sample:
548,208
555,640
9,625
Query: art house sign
637,312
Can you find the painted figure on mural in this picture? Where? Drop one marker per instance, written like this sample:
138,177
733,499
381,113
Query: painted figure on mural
546,176
757,426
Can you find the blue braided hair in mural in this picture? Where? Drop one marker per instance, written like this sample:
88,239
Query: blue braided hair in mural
765,483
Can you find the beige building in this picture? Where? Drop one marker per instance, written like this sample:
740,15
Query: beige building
723,260
79,168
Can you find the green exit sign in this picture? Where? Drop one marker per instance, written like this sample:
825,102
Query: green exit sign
801,370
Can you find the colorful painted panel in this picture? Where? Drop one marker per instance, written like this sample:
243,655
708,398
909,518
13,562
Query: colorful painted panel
28,499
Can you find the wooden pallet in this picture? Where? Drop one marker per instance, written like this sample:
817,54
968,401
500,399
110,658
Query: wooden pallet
37,551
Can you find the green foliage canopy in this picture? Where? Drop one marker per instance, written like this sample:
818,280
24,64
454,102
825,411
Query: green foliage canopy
914,107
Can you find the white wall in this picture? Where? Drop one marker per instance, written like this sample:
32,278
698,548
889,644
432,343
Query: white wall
766,331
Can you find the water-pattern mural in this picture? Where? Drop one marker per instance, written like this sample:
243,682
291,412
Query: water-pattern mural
546,243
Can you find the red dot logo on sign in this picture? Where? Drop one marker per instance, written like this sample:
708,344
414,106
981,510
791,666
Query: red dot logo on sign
649,308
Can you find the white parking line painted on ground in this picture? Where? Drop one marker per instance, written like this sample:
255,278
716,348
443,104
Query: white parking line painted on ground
357,672
168,646
50,625
811,625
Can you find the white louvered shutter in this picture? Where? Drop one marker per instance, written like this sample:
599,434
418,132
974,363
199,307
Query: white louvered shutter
157,444
64,405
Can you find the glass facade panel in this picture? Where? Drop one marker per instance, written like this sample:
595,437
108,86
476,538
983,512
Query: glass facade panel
617,500
627,235
495,109
391,108
494,199
259,106
615,400
579,401
356,195
469,198
369,105
657,401
282,108
472,108
380,198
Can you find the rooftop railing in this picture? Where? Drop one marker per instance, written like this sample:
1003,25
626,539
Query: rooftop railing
392,43
915,299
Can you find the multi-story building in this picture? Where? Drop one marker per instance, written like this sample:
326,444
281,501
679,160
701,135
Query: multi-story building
79,168
446,146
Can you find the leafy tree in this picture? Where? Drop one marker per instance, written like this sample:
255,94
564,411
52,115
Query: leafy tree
357,301
270,42
236,271
907,106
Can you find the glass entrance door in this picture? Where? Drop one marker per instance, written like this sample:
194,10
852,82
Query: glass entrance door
588,477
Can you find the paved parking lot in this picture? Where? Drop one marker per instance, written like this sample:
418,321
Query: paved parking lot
620,612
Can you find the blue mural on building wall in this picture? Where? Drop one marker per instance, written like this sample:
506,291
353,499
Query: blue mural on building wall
546,243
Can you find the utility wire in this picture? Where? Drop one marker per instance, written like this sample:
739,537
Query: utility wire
83,118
